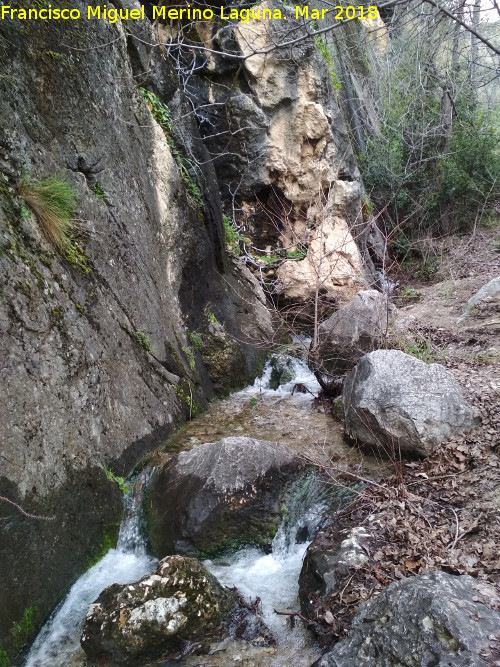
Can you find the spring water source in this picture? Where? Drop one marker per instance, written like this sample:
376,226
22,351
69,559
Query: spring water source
271,576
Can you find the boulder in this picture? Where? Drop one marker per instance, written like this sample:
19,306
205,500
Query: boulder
353,330
218,495
486,299
434,619
398,403
181,601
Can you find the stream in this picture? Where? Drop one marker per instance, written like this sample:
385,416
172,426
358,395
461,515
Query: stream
257,411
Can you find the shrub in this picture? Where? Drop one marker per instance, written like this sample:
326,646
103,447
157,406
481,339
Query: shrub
22,631
52,201
231,236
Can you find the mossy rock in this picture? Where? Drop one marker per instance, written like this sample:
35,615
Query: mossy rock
179,602
219,495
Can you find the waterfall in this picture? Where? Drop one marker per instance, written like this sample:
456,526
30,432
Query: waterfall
59,639
274,576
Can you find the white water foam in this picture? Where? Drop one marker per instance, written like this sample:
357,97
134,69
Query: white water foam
274,577
59,639
301,373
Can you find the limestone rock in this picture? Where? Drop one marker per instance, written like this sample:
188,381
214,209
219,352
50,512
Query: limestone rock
434,619
181,601
291,163
218,494
353,330
396,402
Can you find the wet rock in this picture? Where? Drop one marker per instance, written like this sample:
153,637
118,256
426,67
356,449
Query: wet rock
327,562
282,370
352,331
434,619
181,601
218,495
397,403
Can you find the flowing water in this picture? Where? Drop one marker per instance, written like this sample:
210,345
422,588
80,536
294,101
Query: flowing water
59,639
274,577
278,415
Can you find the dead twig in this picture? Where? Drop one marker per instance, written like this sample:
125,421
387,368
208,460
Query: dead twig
30,516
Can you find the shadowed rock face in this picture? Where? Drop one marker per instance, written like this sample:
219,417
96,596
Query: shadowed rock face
219,494
180,601
97,364
433,619
395,402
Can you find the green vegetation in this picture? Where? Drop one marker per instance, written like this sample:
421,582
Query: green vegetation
110,535
299,253
4,658
194,407
417,345
231,236
253,402
77,257
97,190
22,631
143,340
189,354
322,47
408,295
210,316
161,113
123,486
53,202
434,167
196,339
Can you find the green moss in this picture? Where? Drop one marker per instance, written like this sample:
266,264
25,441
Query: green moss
143,340
322,47
189,354
119,480
109,539
4,658
97,190
194,407
23,631
77,257
231,236
196,339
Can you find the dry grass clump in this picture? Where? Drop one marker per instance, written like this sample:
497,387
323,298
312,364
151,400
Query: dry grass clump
53,202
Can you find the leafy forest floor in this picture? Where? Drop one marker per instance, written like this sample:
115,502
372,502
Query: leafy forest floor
442,512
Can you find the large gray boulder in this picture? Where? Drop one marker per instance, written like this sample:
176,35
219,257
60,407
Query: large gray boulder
181,601
218,495
437,620
352,331
396,402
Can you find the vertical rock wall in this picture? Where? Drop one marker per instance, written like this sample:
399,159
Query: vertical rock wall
98,362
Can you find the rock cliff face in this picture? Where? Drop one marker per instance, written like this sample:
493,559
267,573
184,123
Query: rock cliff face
283,157
107,347
99,358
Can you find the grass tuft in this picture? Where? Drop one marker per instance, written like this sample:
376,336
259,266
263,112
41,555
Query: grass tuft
52,202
